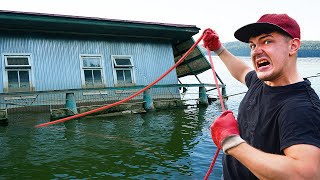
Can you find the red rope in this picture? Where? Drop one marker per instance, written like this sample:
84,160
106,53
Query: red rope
212,164
128,98
144,89
223,109
216,81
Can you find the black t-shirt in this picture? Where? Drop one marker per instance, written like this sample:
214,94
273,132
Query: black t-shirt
274,118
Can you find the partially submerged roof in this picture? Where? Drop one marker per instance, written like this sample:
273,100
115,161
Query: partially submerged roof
194,64
179,35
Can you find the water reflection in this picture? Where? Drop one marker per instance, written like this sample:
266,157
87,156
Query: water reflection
161,144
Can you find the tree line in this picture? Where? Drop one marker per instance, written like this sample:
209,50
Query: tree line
307,49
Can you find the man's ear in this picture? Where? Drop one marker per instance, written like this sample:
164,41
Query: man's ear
295,45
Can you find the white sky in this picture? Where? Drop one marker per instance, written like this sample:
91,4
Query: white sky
225,16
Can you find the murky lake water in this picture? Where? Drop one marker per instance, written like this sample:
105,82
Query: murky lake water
171,144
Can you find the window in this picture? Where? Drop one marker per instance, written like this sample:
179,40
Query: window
17,74
123,71
92,71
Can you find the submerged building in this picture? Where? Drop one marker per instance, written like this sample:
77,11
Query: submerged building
48,60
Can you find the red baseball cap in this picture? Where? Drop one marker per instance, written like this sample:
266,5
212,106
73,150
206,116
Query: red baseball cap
269,23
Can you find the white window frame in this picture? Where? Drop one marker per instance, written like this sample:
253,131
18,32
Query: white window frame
101,68
7,68
116,67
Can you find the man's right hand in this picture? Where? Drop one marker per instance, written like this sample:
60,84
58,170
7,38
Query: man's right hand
225,132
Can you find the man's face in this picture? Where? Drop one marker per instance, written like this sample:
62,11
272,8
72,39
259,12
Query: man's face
270,56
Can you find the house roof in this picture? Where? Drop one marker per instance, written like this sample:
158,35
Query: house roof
65,24
178,34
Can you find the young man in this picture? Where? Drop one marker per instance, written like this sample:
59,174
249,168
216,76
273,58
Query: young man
279,117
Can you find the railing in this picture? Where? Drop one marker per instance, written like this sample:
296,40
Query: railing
85,99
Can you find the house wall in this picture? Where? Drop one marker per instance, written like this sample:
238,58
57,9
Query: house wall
56,58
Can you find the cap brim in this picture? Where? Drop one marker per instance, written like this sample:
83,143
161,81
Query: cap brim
255,29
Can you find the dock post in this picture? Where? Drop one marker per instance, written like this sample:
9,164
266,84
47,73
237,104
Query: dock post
3,117
71,103
147,100
224,92
203,98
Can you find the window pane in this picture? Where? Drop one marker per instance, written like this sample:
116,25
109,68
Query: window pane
91,62
127,74
24,79
123,62
97,77
13,81
17,61
88,78
120,77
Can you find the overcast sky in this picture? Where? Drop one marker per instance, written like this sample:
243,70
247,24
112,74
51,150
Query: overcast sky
225,16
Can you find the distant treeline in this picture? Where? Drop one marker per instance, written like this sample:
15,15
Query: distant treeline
307,49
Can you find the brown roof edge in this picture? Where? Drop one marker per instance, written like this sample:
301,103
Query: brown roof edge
95,18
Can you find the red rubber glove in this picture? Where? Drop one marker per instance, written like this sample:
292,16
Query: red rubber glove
211,41
225,132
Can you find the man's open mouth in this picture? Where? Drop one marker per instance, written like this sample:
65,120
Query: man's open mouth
262,63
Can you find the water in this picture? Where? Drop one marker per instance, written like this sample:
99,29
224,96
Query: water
172,144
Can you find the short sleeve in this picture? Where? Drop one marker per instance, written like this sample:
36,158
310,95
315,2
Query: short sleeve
300,125
250,78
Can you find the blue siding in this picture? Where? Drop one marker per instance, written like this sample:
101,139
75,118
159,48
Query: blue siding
56,61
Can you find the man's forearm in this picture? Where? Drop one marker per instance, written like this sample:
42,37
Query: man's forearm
271,166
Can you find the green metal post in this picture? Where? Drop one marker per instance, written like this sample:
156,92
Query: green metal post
147,100
71,103
203,98
224,92
3,117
